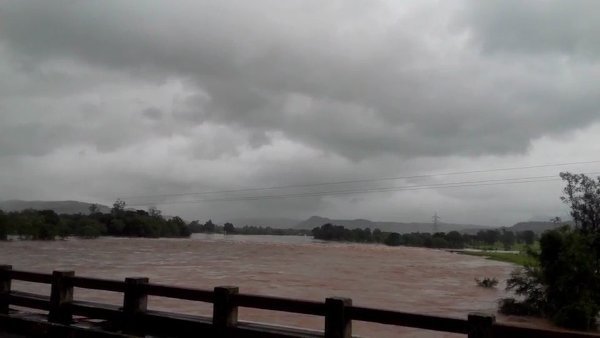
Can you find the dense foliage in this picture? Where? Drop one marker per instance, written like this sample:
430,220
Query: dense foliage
564,285
48,225
451,240
229,228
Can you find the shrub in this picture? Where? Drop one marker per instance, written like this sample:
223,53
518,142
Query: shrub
510,306
579,315
487,282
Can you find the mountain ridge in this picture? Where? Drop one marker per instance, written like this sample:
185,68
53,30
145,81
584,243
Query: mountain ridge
400,227
74,207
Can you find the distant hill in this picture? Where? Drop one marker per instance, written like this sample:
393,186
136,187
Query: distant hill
316,221
276,223
537,227
60,207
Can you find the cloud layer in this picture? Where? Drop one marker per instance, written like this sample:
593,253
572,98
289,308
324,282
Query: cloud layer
108,99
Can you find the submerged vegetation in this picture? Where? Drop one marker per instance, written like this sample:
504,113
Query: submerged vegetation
487,282
451,240
229,229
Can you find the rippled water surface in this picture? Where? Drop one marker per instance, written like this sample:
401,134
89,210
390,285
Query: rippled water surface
399,278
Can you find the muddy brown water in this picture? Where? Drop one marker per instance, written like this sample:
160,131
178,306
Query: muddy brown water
399,278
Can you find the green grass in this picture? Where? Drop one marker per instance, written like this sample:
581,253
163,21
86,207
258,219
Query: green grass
515,258
499,246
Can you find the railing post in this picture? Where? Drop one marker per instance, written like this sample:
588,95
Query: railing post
135,303
225,313
5,282
338,323
61,298
480,325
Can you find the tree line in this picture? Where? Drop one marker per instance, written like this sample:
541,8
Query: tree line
228,228
48,225
450,240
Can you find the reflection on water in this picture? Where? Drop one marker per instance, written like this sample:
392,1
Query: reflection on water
405,279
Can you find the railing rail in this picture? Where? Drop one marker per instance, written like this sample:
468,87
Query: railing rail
135,318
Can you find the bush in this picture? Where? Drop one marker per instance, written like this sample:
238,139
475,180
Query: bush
487,282
393,239
510,306
580,315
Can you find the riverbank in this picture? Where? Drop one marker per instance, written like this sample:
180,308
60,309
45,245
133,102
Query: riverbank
514,257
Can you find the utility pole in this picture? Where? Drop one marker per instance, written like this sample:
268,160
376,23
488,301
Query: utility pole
436,224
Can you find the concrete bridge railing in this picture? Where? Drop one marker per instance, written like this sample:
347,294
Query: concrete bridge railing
135,319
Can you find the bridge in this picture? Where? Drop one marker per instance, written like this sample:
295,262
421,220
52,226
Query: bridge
135,319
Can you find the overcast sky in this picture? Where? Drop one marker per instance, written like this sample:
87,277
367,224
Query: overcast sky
108,99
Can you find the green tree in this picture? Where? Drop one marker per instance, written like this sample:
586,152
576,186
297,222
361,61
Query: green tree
154,212
93,208
3,226
507,238
195,226
455,239
582,194
393,239
565,286
228,228
118,207
527,236
209,226
378,236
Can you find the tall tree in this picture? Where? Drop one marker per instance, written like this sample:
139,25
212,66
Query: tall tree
118,207
3,226
582,194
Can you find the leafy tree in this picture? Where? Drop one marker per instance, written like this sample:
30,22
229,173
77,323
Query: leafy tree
527,236
50,217
154,212
209,226
455,239
118,207
393,239
488,236
566,285
507,238
377,236
181,229
3,226
582,194
195,226
115,227
93,208
229,228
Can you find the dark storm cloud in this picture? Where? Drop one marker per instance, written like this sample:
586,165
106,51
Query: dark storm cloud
212,95
152,113
371,86
33,139
568,28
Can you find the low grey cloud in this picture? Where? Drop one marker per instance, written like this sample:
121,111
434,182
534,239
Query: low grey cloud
152,113
554,28
264,85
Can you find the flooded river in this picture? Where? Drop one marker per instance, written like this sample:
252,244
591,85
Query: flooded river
399,278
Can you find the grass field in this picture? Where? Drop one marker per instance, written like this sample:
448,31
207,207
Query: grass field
520,258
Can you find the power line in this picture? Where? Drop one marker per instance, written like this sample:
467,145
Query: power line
267,197
365,180
531,179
